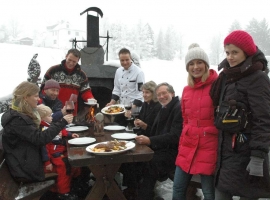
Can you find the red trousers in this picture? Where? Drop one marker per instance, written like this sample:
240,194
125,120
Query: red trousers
65,174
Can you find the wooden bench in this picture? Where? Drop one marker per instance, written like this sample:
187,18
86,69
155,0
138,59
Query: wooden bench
12,190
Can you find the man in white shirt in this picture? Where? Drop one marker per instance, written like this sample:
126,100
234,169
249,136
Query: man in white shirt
127,81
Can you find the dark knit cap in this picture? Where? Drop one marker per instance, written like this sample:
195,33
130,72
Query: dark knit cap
51,84
242,40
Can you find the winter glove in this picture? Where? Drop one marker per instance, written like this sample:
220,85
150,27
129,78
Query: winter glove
255,166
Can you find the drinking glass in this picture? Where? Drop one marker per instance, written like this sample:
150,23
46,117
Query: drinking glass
135,112
128,105
69,107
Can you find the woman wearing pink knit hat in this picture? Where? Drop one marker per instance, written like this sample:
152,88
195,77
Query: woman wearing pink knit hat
241,95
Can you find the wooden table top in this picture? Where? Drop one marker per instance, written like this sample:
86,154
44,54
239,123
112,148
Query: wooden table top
78,156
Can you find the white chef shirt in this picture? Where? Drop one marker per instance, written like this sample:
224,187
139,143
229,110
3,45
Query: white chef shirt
127,83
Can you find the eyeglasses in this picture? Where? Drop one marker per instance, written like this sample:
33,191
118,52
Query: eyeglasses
162,93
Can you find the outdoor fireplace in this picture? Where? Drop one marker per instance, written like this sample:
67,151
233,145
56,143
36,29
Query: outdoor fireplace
100,76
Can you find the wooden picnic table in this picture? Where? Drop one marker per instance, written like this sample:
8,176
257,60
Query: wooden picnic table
105,167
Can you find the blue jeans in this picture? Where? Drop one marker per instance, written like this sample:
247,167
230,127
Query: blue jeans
225,196
181,182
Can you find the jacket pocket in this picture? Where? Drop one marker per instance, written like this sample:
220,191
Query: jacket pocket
210,130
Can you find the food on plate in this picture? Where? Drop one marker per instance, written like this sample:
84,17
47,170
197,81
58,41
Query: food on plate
114,145
114,109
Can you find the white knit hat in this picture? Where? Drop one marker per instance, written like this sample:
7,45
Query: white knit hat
195,52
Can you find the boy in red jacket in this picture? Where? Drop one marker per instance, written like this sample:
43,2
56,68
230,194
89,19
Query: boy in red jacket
54,156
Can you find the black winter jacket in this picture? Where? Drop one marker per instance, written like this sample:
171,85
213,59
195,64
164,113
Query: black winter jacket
148,114
22,142
167,127
232,176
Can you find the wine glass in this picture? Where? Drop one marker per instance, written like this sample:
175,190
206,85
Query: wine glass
128,105
69,107
135,112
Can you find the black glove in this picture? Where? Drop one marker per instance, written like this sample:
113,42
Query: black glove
255,166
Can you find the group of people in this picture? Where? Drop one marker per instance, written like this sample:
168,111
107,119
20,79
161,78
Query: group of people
219,128
34,129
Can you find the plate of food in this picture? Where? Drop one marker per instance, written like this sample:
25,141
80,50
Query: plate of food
81,141
114,128
123,136
110,147
113,109
77,128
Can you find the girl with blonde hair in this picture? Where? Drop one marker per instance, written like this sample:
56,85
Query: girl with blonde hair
197,151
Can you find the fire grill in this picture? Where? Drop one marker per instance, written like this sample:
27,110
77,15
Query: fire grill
101,77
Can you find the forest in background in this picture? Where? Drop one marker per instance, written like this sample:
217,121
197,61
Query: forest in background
165,44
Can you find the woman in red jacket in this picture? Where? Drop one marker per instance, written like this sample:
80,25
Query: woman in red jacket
197,151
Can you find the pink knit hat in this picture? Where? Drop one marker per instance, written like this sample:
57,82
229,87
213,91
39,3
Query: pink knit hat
51,84
242,40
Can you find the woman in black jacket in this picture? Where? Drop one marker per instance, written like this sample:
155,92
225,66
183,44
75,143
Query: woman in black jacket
150,109
22,139
243,163
132,171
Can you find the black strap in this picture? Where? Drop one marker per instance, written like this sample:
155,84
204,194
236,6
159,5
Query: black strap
223,82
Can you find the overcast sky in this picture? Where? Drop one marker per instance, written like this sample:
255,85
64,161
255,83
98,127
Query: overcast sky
197,20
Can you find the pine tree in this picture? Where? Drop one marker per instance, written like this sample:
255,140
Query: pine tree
169,46
116,42
147,46
261,34
3,34
216,50
235,26
160,45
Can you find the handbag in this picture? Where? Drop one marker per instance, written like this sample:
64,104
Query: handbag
231,120
231,116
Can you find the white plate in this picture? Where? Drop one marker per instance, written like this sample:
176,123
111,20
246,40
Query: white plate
114,128
77,128
91,104
124,136
106,108
129,145
81,141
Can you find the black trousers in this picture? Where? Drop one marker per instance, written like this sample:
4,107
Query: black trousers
158,168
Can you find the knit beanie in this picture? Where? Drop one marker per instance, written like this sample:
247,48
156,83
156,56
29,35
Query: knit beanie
195,52
51,84
44,111
242,40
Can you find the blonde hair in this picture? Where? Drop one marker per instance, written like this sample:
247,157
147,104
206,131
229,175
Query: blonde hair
44,111
23,90
151,85
190,79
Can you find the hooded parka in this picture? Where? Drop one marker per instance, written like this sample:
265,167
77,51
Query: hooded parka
254,91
